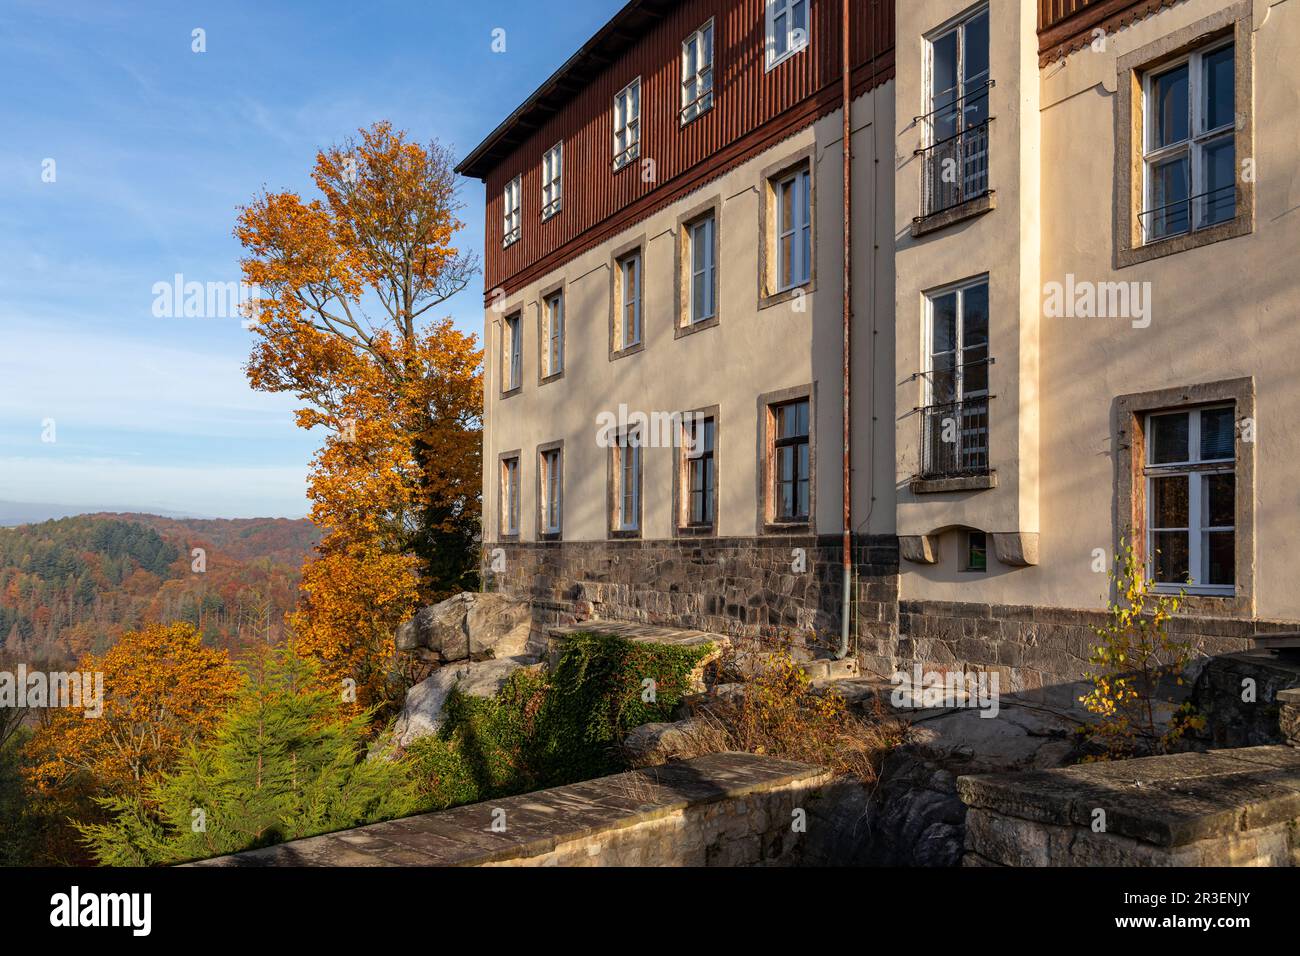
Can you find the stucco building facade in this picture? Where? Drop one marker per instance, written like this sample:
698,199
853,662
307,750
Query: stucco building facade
1067,236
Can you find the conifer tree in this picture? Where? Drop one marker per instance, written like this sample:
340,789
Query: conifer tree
281,766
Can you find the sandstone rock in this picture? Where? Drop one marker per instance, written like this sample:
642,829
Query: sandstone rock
1018,738
653,744
469,625
422,714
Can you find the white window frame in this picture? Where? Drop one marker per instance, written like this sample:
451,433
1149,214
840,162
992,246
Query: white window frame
630,332
974,170
1193,468
512,332
553,180
510,475
512,224
959,346
794,41
627,124
702,463
1194,147
973,440
799,229
709,270
553,310
551,503
628,505
697,75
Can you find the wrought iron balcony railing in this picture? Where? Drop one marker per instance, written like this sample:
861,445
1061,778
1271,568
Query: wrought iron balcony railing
1187,215
955,439
955,167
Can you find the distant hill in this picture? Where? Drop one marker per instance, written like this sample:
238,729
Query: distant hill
74,584
32,512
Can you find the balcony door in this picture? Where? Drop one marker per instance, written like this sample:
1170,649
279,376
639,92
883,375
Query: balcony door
957,167
956,424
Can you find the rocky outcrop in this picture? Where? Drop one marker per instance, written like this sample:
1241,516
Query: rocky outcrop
653,744
469,626
916,817
423,713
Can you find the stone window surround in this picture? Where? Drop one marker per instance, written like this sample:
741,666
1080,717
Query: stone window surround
1130,485
506,391
1129,143
767,294
502,458
681,528
613,490
543,332
543,535
682,324
765,461
637,245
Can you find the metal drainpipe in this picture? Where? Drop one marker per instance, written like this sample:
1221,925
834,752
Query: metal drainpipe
846,71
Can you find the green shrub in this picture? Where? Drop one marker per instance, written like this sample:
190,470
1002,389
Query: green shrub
286,762
546,730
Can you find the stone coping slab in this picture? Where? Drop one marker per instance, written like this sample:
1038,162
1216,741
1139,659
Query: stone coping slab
1166,801
537,822
640,633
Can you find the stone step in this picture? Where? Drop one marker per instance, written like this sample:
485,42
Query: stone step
1282,643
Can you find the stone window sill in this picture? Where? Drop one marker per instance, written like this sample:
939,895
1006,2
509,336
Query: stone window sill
978,206
934,486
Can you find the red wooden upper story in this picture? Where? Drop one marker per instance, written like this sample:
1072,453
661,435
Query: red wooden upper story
754,104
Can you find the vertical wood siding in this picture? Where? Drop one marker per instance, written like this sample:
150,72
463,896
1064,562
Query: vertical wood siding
747,98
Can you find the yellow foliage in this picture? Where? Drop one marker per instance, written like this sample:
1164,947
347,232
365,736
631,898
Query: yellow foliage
344,323
162,687
1135,655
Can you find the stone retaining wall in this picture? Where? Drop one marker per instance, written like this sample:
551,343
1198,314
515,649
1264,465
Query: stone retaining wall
730,809
1220,808
765,588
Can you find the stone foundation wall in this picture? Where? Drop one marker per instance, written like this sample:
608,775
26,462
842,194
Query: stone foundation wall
1039,652
763,588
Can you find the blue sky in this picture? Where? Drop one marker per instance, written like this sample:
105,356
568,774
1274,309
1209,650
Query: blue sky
154,146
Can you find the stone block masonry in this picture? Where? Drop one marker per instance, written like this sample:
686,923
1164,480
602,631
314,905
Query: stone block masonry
1219,808
728,809
769,588
1040,652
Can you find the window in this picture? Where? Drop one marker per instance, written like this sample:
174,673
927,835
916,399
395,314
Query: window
697,73
955,423
701,473
701,251
627,502
791,461
1191,499
551,477
793,230
509,518
510,203
787,29
1189,159
552,180
956,167
627,124
513,350
976,557
553,328
629,270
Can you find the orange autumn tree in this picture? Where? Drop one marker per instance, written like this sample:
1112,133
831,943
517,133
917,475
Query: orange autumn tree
346,325
162,688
